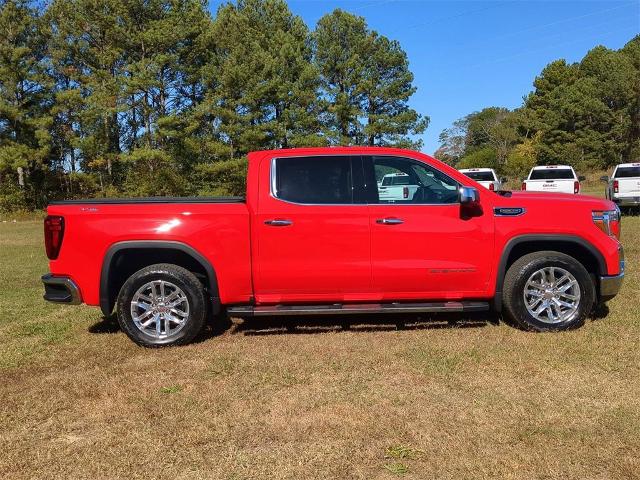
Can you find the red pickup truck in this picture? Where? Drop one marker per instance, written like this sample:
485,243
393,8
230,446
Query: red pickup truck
313,236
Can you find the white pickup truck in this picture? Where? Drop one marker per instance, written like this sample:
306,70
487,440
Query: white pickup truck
553,178
486,177
623,187
397,186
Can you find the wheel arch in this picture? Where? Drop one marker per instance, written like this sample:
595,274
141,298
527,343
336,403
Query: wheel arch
574,246
122,259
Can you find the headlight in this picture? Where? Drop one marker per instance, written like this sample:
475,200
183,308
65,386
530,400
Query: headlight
608,221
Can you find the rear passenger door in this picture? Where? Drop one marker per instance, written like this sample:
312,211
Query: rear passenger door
312,231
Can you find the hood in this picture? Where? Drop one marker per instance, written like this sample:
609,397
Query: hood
524,198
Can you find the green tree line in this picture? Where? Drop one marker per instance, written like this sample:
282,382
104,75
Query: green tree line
159,97
585,114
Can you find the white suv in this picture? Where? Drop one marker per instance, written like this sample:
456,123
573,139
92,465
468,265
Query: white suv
553,178
623,187
486,177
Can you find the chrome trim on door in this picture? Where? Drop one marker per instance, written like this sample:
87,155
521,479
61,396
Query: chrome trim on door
389,221
509,211
278,222
273,189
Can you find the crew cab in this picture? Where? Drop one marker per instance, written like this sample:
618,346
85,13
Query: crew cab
553,178
487,177
314,236
623,187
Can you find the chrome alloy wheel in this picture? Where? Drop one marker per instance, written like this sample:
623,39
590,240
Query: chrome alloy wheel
552,295
159,309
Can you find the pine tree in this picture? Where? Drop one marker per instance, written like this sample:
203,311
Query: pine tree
25,141
90,41
367,82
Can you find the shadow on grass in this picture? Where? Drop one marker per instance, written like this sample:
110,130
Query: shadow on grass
306,325
108,324
599,312
330,323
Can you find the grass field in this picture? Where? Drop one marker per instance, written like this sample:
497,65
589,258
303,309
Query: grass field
478,400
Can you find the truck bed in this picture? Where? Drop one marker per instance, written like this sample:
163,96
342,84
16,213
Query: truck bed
216,228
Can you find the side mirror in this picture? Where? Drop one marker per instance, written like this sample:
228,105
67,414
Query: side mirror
469,196
581,178
604,178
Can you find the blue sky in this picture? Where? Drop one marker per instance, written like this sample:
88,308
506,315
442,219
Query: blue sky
467,55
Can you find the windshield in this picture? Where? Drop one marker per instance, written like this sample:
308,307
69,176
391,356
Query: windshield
395,180
627,172
480,176
552,174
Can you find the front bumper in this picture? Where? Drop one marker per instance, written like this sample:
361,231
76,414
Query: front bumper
610,284
59,289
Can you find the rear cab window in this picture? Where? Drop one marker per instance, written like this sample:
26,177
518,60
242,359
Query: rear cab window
481,176
552,174
627,172
395,179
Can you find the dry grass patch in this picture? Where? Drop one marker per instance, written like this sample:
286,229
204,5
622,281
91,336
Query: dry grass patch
479,400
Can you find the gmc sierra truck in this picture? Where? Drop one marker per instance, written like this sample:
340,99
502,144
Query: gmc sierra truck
553,178
314,236
623,188
487,177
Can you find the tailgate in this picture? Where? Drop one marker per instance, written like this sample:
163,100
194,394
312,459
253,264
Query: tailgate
561,186
628,187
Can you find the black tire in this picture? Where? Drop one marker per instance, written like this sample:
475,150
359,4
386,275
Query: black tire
183,279
517,277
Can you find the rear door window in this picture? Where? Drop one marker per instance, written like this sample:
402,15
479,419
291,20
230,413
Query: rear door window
313,180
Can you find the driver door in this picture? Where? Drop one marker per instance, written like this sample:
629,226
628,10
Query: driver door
421,247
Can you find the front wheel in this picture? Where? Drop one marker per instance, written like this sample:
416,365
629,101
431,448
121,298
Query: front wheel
162,305
548,290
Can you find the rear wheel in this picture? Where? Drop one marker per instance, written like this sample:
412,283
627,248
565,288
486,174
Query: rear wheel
548,290
162,305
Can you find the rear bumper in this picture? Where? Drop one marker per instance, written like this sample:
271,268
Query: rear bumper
626,201
58,289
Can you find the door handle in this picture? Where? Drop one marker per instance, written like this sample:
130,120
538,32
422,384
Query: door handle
278,222
389,221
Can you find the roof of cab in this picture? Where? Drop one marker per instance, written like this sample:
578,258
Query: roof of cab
550,167
483,169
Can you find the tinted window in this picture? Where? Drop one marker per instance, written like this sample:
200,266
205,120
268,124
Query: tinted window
422,184
627,172
480,176
552,174
314,179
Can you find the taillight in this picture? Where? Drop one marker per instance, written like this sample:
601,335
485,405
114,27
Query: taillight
616,186
524,185
405,192
492,187
53,233
608,221
576,187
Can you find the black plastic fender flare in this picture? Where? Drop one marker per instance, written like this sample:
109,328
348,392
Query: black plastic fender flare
540,238
106,304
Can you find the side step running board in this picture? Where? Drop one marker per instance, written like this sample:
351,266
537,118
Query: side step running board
339,308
